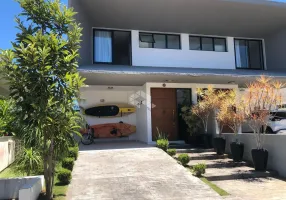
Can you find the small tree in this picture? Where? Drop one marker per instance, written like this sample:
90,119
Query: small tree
193,121
202,110
222,117
262,97
210,101
232,111
41,70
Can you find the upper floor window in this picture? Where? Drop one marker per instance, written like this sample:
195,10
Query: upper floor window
112,47
159,41
248,54
207,43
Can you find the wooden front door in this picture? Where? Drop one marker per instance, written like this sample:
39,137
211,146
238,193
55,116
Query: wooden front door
164,112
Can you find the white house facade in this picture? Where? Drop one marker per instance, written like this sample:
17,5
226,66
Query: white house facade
153,54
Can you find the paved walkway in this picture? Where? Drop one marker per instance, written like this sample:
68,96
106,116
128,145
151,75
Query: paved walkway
240,180
129,171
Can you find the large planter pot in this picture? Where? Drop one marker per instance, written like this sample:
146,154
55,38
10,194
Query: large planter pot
193,140
219,145
237,150
260,159
206,141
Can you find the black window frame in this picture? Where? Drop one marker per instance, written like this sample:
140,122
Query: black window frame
166,40
213,43
112,45
261,50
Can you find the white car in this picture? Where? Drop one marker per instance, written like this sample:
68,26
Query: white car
276,123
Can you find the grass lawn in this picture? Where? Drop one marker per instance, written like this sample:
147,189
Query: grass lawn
220,191
10,173
59,190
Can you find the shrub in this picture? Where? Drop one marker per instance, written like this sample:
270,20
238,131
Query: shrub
28,160
68,163
73,152
161,135
184,158
163,144
199,169
171,152
64,176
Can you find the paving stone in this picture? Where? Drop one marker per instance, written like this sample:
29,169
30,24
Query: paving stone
133,173
240,179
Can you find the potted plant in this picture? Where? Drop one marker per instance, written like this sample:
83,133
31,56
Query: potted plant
262,97
219,99
221,119
194,126
233,108
202,110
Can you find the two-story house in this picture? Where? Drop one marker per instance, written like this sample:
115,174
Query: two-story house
155,53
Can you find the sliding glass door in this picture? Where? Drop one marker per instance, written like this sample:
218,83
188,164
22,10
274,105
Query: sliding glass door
112,47
249,54
184,98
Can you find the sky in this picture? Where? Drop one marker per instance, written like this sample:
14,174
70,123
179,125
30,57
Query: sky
8,11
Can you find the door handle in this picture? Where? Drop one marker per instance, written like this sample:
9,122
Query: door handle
174,116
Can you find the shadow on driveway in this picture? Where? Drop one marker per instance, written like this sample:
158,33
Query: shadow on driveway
113,145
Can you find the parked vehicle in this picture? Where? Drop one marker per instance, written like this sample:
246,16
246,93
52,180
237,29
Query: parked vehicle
277,122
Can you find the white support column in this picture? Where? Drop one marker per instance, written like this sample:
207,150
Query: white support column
194,95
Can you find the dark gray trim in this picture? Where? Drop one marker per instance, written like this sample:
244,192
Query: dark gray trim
213,43
166,40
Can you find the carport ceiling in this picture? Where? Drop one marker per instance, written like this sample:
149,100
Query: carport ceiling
243,18
141,79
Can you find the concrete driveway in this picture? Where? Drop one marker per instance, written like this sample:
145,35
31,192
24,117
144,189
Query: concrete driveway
133,171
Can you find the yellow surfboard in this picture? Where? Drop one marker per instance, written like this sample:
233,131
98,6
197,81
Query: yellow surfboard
110,110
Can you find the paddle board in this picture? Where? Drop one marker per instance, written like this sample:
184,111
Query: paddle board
112,130
110,110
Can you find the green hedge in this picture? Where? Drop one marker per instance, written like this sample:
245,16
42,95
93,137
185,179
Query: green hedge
172,152
199,169
163,144
184,159
73,152
68,163
64,176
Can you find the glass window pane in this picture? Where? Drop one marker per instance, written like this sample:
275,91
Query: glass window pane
220,44
207,44
160,41
184,98
102,46
241,54
121,48
255,57
145,37
145,45
195,43
173,41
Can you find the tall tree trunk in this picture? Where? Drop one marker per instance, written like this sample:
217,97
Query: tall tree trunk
49,170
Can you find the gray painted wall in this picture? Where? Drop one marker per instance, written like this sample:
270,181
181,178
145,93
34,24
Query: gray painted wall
275,44
275,144
275,47
86,44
